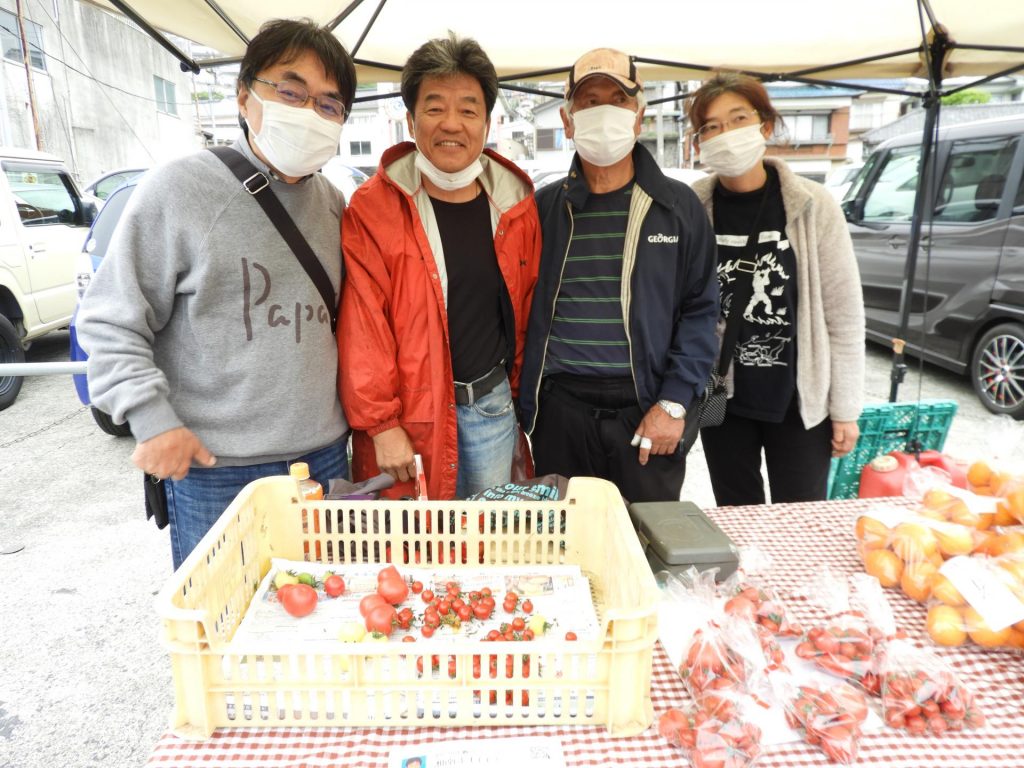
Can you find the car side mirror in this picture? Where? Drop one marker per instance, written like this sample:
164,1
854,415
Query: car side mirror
89,212
853,209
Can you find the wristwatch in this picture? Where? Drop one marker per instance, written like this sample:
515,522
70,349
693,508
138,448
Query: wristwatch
675,410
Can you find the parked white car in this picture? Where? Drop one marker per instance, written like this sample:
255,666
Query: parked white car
345,177
43,222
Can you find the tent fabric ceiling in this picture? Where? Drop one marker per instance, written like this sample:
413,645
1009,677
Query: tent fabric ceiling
786,36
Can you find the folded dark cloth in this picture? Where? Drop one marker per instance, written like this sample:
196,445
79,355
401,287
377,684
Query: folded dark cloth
341,489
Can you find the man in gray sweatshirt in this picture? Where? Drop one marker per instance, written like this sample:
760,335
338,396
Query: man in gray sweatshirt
204,331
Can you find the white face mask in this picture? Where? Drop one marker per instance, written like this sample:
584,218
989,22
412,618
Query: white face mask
449,181
294,140
735,152
604,135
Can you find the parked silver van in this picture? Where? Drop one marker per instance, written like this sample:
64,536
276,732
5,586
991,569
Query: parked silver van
43,223
967,307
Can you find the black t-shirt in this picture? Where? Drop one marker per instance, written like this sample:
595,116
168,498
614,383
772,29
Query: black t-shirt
475,331
764,359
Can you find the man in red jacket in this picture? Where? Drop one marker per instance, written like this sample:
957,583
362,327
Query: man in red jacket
441,250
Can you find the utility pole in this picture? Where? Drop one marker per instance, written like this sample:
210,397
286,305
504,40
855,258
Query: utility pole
28,79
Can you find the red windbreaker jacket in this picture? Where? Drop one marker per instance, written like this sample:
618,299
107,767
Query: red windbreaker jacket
394,366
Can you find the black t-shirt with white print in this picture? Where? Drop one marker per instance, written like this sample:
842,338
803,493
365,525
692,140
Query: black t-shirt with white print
764,359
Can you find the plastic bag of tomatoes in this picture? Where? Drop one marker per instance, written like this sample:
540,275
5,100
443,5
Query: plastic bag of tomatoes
759,603
921,693
828,717
850,644
712,742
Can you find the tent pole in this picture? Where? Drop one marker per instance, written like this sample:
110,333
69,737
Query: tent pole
924,198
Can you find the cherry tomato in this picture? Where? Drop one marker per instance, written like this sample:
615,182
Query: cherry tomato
417,587
409,639
370,602
481,611
428,596
465,613
518,624
300,600
443,607
426,630
381,619
527,606
334,586
570,635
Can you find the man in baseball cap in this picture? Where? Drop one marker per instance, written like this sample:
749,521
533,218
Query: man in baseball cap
621,335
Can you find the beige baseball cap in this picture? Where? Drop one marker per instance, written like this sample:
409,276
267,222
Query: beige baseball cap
606,62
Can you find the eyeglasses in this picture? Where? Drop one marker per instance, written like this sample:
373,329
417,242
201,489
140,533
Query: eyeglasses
295,93
742,119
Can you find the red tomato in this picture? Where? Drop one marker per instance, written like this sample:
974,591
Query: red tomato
394,590
381,619
388,573
370,602
742,607
334,586
299,601
518,624
417,587
426,630
409,639
570,635
282,591
527,606
428,596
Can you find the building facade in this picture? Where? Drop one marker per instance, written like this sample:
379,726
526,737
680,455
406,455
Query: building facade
106,96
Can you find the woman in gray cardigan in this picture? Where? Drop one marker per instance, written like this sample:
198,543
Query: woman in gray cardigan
796,377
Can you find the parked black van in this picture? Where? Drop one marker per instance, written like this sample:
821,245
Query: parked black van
967,308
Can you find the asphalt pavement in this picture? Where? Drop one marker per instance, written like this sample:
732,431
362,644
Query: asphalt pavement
83,678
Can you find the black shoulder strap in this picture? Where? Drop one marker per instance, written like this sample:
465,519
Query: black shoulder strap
743,289
257,184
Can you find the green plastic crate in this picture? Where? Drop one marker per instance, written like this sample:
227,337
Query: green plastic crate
888,427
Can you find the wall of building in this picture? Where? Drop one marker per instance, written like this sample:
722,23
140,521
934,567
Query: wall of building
97,99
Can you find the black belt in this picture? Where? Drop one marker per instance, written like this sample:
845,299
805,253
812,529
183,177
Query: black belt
559,391
467,394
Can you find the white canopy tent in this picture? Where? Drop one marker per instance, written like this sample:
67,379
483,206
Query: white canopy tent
813,41
673,39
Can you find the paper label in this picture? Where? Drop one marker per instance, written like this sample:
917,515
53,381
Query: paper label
984,592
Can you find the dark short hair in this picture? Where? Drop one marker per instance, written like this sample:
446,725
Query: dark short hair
284,40
731,82
447,57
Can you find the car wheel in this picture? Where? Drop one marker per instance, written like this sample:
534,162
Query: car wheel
10,352
107,424
997,369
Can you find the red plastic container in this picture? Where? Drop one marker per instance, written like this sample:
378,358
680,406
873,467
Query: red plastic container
883,475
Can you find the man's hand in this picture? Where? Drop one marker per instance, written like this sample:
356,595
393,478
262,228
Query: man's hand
171,453
844,437
394,454
663,432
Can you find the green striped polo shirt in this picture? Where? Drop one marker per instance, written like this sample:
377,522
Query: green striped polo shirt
588,337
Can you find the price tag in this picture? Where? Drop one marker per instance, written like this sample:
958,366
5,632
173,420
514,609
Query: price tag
983,591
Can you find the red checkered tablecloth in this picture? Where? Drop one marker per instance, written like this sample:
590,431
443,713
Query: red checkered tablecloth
801,538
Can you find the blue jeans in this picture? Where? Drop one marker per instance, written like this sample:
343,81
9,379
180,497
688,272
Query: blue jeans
195,503
487,439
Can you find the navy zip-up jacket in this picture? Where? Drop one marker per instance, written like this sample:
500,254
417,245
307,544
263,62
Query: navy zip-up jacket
669,287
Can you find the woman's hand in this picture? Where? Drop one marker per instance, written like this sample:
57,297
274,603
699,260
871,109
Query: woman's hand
844,437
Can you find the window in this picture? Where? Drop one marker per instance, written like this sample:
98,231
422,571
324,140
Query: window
359,147
10,39
804,129
165,100
892,197
974,179
41,194
550,138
